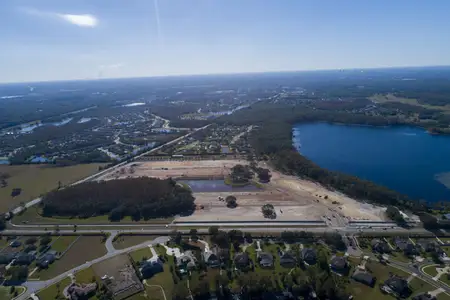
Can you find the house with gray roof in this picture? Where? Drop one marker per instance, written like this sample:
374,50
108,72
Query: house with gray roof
309,256
380,246
364,277
397,286
339,264
265,259
288,260
211,258
242,260
424,296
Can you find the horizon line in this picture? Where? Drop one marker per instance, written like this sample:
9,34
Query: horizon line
221,74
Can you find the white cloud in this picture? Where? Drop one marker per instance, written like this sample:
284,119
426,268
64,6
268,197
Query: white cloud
83,20
80,20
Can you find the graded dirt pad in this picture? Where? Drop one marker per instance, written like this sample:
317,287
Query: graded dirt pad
175,169
294,199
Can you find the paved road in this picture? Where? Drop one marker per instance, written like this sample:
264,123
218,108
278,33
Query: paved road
37,200
33,286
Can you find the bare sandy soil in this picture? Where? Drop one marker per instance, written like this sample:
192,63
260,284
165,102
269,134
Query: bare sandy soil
293,198
175,169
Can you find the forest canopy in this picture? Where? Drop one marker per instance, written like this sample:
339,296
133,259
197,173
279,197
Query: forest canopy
137,197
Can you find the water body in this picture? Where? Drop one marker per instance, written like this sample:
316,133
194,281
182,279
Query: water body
405,159
209,186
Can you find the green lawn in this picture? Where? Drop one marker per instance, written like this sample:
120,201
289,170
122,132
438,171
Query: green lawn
419,286
125,241
140,254
35,180
53,291
33,216
61,243
443,296
85,249
431,270
86,276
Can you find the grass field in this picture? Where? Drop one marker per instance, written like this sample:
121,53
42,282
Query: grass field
4,292
392,98
431,270
35,180
85,249
125,241
33,216
62,242
54,290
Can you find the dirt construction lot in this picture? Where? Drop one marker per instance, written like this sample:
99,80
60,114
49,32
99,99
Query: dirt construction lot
175,169
294,199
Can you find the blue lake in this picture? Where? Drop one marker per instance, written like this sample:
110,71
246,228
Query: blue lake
405,159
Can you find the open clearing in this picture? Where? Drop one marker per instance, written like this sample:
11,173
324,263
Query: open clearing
85,249
36,180
378,98
293,198
125,241
175,169
32,216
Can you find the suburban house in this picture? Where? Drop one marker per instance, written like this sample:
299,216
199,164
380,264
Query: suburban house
15,244
339,264
424,296
364,277
6,258
380,246
309,256
406,246
265,259
211,258
186,262
242,260
77,291
288,260
396,286
150,268
24,259
46,259
428,245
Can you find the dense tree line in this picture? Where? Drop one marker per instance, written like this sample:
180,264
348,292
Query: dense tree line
138,197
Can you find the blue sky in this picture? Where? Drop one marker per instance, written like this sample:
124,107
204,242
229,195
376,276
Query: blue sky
80,39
